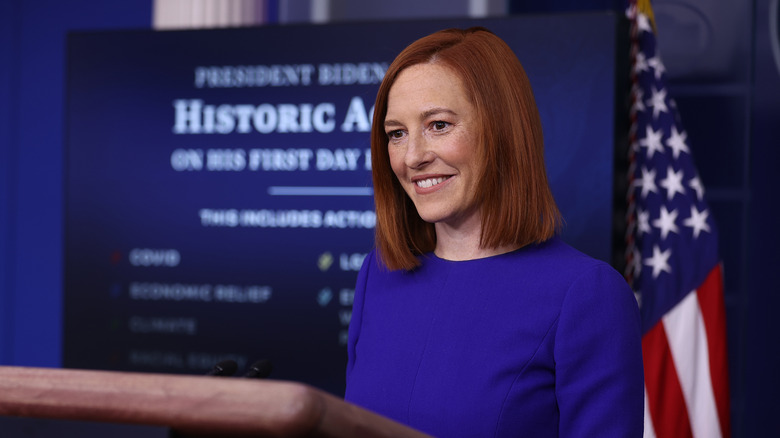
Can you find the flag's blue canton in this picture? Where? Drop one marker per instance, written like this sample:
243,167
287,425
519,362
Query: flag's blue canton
675,236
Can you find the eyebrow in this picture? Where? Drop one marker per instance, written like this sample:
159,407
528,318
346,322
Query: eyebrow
424,115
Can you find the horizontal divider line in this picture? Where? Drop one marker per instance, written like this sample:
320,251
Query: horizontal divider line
320,191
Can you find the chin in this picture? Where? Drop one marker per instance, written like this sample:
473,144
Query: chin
428,216
432,217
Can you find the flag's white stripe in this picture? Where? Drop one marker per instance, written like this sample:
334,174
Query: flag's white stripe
688,343
649,430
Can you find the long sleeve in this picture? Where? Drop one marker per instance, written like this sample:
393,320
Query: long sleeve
357,311
598,358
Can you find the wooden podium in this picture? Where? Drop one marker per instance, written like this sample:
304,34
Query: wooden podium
191,406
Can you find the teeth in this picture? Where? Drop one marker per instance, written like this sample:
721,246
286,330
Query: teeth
430,182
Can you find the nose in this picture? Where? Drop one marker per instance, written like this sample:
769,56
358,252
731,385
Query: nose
418,152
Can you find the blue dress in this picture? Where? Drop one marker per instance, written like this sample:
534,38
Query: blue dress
543,341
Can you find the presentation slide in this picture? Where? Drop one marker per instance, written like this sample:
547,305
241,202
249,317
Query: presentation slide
218,183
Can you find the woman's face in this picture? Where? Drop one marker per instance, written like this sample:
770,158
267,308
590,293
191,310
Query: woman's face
432,142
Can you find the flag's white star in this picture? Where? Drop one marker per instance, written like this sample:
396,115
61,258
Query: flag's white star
639,104
648,181
657,65
643,222
637,265
667,222
697,221
658,102
640,63
652,141
659,261
676,142
631,12
673,183
643,23
695,184
634,144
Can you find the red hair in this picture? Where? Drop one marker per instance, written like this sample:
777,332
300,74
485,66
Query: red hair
517,205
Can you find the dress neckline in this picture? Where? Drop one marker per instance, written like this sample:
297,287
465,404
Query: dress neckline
432,255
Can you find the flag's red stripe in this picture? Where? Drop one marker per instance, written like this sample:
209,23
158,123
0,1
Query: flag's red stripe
713,311
664,395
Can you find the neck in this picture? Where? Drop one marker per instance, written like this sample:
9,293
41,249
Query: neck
463,243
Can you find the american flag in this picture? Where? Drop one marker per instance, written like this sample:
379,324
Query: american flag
672,258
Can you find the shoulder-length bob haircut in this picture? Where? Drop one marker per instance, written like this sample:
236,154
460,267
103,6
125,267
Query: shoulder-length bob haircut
517,206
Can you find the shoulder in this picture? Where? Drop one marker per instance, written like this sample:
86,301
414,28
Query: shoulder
373,270
559,269
570,281
555,254
375,276
589,282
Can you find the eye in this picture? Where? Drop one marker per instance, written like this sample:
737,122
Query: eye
395,134
439,125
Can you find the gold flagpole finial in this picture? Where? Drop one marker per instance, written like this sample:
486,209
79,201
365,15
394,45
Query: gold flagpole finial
644,7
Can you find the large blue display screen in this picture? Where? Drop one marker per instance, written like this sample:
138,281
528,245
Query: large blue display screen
218,193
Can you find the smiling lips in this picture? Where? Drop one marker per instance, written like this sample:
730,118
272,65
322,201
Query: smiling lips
430,182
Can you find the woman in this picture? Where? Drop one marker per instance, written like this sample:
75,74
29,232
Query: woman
471,318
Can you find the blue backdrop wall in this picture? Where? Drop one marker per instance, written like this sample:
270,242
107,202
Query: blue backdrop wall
32,55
